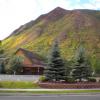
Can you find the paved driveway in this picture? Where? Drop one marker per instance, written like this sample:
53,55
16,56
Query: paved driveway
19,77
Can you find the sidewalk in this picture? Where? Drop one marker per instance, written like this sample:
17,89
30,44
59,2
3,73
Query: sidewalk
2,89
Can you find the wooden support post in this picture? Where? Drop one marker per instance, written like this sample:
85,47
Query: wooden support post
38,71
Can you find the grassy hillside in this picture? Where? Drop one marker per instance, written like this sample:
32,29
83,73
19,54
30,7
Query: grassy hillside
69,27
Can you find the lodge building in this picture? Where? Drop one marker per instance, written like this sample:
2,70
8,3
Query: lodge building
32,64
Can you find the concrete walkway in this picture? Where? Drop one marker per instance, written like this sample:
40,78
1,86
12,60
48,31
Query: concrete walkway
27,92
2,89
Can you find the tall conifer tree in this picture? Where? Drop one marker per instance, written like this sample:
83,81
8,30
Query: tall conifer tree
55,70
82,68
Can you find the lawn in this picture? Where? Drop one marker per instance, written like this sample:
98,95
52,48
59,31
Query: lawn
31,85
15,84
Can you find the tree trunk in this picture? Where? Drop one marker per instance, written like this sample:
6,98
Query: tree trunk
80,80
14,72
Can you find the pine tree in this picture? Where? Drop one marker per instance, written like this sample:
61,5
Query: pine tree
82,67
55,70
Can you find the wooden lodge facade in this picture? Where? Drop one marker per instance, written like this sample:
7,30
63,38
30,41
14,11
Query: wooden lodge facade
32,64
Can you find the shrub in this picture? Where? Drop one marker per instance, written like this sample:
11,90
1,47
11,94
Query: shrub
43,79
91,79
70,80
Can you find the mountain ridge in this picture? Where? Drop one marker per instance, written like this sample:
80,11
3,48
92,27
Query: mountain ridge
69,27
56,10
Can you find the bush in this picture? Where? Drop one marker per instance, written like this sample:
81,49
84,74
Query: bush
91,79
70,80
43,79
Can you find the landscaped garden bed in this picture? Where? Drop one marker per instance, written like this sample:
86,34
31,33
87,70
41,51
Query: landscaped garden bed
69,85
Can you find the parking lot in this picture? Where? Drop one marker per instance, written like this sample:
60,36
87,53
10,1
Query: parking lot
19,77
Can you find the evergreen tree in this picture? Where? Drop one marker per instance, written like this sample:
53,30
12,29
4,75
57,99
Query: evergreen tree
55,70
82,67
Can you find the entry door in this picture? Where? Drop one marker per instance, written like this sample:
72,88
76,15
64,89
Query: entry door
38,71
28,71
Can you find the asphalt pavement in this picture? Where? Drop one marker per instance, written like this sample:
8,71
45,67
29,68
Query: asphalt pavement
33,78
52,97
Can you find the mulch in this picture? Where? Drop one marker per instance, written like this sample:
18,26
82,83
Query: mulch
79,85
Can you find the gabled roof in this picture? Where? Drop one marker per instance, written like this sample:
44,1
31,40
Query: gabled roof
31,56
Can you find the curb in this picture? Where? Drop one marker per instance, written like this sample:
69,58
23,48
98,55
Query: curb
31,94
7,89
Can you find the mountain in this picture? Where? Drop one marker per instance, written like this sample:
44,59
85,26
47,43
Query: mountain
69,27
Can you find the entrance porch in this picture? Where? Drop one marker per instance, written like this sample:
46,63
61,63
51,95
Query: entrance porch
33,70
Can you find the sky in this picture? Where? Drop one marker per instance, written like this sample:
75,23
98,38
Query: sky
14,13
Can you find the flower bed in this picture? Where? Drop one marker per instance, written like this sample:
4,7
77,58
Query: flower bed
69,85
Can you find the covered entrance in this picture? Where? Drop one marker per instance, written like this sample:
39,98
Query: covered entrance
33,70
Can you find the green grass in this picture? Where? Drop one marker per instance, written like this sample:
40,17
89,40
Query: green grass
12,84
53,92
32,85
